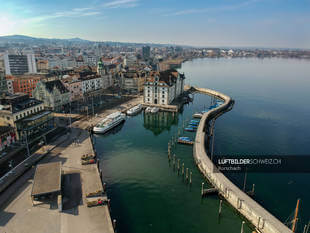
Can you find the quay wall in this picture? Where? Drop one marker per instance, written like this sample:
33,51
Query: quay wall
263,221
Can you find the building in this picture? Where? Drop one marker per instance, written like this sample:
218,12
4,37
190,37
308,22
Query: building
26,115
163,87
74,85
54,94
19,64
9,84
91,83
7,136
146,52
3,83
132,81
24,83
105,72
42,65
130,60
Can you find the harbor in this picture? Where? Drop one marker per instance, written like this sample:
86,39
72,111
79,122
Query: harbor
83,205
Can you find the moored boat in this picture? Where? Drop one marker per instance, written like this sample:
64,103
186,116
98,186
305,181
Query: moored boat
134,110
109,122
190,129
148,109
154,110
185,140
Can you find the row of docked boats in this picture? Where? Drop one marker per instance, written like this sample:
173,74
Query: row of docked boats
117,118
191,127
199,114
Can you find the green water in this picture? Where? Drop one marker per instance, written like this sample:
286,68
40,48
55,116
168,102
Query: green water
147,195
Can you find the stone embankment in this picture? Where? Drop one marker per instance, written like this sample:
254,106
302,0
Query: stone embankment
261,219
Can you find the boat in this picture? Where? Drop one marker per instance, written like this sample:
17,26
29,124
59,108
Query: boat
109,122
134,110
148,109
193,123
192,126
185,140
197,115
154,110
190,129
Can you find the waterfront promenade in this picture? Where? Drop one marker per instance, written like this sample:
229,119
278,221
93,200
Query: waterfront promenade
17,213
261,219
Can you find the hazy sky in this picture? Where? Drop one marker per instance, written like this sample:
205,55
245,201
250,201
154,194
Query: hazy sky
264,23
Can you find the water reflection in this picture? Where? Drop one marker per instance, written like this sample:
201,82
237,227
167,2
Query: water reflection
160,121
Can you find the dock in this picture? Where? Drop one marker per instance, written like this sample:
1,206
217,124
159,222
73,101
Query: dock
260,218
166,108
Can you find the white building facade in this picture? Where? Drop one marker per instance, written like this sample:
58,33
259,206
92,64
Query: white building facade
163,87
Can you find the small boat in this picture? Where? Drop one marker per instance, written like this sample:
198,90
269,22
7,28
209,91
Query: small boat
154,110
192,126
109,122
193,123
197,115
185,140
148,109
190,129
135,110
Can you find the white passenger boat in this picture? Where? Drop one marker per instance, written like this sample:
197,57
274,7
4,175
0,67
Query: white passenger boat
109,122
154,110
135,110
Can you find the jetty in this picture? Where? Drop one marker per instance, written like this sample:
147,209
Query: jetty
260,218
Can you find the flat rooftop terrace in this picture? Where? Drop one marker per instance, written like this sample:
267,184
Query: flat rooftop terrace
47,179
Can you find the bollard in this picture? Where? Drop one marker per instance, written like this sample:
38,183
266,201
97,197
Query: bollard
220,207
242,226
104,187
109,204
202,184
173,162
114,224
186,174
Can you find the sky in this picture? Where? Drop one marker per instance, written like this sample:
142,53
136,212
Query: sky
207,23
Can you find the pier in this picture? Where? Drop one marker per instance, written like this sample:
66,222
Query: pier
260,218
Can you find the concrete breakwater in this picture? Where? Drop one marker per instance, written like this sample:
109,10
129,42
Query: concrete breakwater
261,219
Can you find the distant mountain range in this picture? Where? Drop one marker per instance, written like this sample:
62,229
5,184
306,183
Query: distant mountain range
28,40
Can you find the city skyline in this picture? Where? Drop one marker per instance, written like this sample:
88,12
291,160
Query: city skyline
225,23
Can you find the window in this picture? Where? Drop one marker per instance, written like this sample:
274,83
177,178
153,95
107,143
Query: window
163,96
148,99
163,101
8,118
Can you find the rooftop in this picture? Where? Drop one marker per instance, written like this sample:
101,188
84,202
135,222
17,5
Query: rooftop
50,85
47,179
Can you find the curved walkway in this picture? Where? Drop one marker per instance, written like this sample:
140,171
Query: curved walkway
263,221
